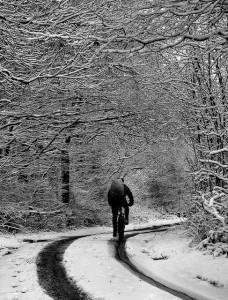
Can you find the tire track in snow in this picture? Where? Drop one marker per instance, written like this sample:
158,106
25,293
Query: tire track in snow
121,255
52,275
53,278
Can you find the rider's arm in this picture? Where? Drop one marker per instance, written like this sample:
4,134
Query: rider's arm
128,193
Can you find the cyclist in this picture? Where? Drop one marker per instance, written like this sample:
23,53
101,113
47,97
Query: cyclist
117,197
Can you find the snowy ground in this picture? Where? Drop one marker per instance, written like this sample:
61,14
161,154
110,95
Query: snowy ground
18,276
167,257
18,279
91,263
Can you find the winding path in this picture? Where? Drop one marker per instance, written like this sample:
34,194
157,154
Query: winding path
54,279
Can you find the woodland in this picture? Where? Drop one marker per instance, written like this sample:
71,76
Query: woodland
91,90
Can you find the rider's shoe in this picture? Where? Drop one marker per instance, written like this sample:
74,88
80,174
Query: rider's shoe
126,221
114,233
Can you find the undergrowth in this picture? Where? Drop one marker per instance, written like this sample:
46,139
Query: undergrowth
210,281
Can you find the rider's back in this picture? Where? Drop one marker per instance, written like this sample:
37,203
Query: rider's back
116,194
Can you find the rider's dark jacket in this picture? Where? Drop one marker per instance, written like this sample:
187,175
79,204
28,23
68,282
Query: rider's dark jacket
114,201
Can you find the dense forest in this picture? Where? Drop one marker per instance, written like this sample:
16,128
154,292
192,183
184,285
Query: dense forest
92,90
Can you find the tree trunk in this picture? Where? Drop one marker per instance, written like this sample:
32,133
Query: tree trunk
65,176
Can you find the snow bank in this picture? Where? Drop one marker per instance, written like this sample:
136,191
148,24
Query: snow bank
167,258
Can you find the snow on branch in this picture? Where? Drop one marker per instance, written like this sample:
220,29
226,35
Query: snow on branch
225,149
213,162
206,172
211,206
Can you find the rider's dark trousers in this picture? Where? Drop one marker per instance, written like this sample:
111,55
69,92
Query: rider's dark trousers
115,214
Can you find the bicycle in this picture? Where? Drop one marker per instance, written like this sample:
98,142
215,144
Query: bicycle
121,224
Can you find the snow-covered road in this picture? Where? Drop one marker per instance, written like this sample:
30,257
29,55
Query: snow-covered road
18,276
90,262
167,258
